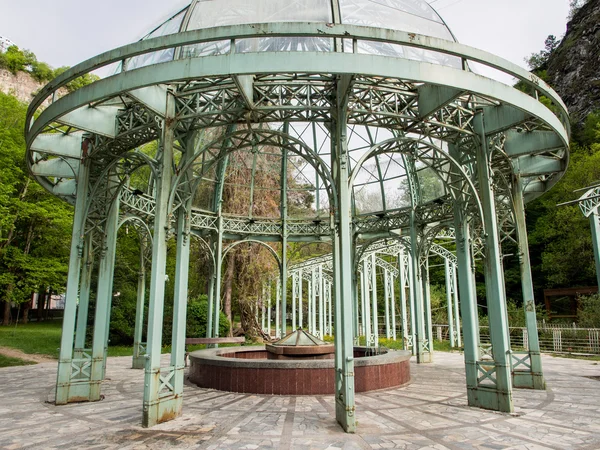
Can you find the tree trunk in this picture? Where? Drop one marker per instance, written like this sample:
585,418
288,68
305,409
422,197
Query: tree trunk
6,317
250,325
26,308
40,305
227,290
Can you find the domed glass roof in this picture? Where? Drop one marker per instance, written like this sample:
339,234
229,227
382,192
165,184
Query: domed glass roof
413,16
381,183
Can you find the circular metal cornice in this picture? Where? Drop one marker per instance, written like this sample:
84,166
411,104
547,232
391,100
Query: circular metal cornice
465,83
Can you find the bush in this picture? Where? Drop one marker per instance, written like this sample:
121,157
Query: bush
197,318
588,312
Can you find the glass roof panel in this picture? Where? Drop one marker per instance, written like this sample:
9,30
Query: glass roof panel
414,16
214,13
171,26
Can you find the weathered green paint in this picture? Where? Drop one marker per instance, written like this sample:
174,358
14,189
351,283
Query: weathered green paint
449,302
345,409
104,298
531,377
66,391
595,226
153,412
500,397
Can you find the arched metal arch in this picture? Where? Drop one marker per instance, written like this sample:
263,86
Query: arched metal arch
395,145
102,179
283,141
252,241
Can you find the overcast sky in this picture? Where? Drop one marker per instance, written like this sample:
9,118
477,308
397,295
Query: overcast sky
66,32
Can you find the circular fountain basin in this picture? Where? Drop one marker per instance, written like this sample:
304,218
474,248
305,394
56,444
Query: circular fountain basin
248,370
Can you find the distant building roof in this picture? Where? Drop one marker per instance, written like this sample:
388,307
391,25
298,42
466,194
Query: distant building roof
5,43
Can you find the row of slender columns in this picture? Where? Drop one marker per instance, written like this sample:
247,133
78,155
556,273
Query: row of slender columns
319,312
163,386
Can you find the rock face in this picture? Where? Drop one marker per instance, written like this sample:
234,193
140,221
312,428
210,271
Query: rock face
574,67
22,85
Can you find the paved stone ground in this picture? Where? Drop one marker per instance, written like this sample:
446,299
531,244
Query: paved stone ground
430,413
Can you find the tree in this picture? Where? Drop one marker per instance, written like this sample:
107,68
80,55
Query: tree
35,226
539,61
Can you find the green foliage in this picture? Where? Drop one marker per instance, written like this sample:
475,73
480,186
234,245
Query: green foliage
588,313
35,227
560,238
34,338
539,61
77,83
197,318
17,60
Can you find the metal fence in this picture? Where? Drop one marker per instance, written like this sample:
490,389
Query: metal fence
553,338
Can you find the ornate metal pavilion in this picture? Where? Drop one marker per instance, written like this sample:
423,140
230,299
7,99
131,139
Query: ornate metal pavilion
370,106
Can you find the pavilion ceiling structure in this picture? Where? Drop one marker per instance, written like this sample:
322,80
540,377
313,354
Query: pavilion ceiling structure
367,107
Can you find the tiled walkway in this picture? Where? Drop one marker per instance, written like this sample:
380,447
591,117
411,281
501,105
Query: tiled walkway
429,413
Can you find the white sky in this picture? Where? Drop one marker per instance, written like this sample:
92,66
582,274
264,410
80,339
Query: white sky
66,32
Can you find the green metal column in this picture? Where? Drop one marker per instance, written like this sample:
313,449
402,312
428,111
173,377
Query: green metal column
386,296
499,395
369,338
456,314
277,309
171,396
322,303
68,389
427,306
284,241
468,296
139,348
294,297
422,346
211,296
412,301
392,289
374,309
331,312
300,305
403,312
154,411
468,301
526,375
104,298
217,281
363,309
355,302
269,307
449,293
84,297
595,226
342,265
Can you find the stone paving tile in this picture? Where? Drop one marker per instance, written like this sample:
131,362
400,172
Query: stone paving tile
431,412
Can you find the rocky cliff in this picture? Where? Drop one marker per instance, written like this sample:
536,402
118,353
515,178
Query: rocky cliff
22,85
574,67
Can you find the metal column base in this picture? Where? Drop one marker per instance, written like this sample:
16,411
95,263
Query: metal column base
345,416
162,410
139,362
526,371
425,358
524,379
490,398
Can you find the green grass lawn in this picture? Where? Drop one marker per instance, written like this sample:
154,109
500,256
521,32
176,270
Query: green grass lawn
43,338
5,361
34,338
